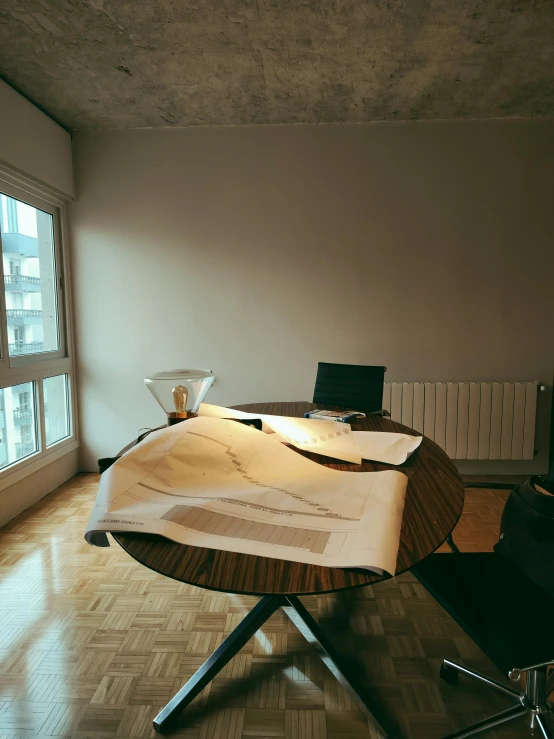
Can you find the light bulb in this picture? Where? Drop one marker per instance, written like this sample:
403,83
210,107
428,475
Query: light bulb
180,395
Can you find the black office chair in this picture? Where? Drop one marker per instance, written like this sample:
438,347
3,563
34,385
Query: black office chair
509,618
354,387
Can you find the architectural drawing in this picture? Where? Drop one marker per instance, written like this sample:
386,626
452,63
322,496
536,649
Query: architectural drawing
219,484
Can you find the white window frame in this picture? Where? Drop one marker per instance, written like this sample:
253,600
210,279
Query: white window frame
37,367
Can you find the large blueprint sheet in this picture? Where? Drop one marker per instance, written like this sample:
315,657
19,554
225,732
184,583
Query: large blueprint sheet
216,483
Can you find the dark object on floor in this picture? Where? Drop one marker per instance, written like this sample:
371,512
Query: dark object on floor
508,617
355,387
527,532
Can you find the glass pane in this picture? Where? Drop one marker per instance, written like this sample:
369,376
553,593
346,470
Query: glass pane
56,408
18,433
29,277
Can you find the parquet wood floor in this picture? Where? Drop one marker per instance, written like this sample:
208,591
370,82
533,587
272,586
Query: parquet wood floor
93,644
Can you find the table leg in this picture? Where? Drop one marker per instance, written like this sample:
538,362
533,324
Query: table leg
265,607
309,629
336,663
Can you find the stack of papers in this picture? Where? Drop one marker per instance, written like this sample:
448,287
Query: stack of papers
329,438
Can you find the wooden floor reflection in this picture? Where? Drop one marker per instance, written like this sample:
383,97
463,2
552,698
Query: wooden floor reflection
93,644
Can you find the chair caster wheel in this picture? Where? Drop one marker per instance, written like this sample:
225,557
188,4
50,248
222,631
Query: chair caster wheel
449,675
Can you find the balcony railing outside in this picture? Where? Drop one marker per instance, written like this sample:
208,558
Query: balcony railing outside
23,448
22,347
22,281
22,414
23,313
23,316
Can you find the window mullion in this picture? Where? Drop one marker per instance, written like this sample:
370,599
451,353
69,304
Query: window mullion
4,348
59,282
40,414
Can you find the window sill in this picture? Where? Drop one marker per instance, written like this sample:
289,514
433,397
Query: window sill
28,466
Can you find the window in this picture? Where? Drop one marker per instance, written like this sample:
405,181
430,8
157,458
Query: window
56,408
35,368
18,423
19,337
30,283
26,433
17,301
24,398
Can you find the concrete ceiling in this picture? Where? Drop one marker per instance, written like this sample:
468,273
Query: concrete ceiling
158,63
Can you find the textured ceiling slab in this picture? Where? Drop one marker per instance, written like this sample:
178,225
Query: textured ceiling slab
111,63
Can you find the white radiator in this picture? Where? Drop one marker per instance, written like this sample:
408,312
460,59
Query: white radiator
469,420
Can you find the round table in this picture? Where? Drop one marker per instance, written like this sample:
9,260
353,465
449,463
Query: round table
434,502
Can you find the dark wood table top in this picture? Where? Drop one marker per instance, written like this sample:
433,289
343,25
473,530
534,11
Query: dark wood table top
434,502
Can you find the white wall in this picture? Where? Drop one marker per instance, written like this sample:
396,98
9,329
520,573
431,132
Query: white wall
32,143
20,496
33,146
258,251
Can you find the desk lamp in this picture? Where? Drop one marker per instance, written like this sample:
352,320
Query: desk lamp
180,391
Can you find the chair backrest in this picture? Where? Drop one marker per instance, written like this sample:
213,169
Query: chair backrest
351,386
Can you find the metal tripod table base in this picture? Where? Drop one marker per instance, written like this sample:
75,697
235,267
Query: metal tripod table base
307,626
531,704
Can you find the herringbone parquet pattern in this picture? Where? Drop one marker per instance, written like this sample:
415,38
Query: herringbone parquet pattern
93,644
